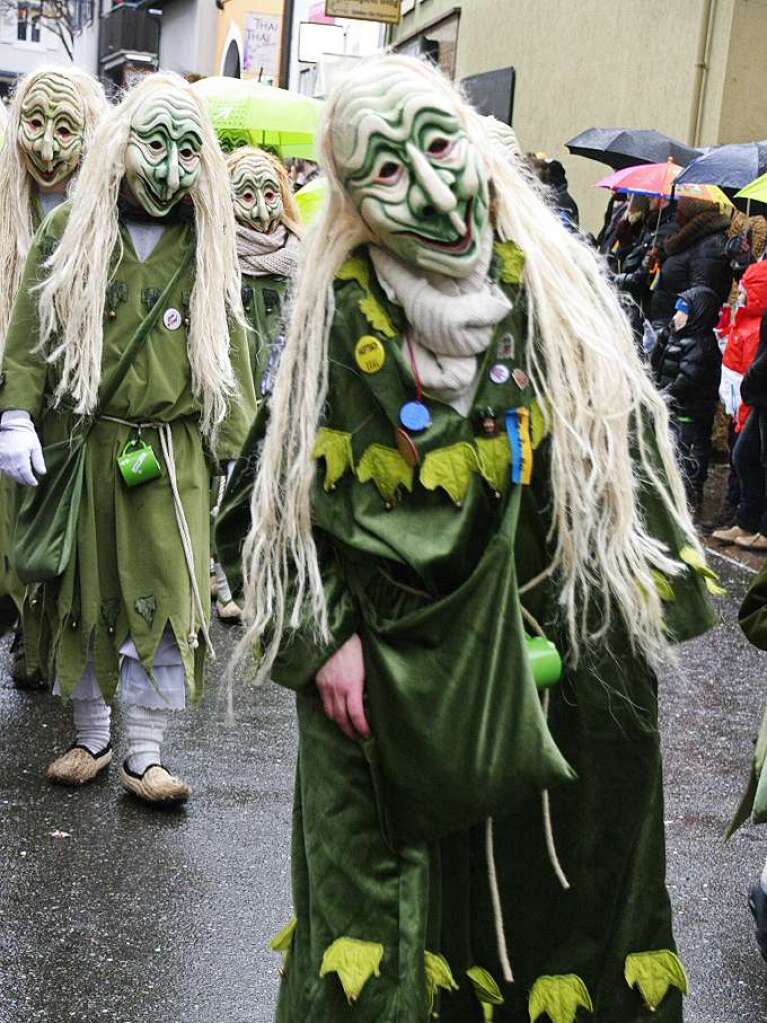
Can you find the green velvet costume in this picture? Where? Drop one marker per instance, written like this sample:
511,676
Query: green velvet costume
128,575
412,561
262,299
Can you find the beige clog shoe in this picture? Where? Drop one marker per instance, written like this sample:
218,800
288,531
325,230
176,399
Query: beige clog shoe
731,535
229,612
78,766
755,542
156,785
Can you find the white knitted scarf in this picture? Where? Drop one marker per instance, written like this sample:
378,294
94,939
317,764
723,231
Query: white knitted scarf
451,320
261,254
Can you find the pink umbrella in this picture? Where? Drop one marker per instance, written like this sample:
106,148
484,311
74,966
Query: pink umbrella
654,179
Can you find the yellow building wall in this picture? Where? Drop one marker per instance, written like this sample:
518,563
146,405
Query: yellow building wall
232,24
602,63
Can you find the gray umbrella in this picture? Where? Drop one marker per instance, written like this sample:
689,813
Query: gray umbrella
733,166
626,147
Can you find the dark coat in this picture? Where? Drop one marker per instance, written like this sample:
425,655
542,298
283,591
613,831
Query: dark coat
688,365
693,255
753,388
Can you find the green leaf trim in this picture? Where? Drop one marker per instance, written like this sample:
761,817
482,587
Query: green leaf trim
538,428
387,469
697,562
283,939
715,589
494,458
486,989
355,962
335,447
559,997
356,269
663,586
438,975
653,973
512,262
451,469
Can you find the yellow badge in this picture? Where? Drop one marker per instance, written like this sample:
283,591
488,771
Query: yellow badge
369,354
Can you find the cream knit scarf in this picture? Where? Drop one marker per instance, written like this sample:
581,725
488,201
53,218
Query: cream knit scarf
451,320
261,254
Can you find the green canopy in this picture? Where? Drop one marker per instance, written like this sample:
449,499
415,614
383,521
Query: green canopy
756,190
245,112
310,198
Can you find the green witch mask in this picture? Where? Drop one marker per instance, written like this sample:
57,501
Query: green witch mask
257,194
411,171
51,129
162,161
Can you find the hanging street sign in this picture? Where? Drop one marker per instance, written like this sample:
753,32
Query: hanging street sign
387,11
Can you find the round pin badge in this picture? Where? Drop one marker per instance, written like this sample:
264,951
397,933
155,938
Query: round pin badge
414,416
521,379
499,373
406,447
172,319
369,354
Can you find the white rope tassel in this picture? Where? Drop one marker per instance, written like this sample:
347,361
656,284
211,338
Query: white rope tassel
166,443
548,827
495,895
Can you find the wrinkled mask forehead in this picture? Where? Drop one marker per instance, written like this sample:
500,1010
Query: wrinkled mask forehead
172,112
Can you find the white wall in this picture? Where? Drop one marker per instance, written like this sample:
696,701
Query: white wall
188,37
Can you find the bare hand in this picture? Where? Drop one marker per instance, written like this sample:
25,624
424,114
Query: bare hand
341,682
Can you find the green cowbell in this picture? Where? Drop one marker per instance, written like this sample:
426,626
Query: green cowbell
128,576
429,551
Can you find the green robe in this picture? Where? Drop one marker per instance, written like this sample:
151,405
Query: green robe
753,622
400,553
262,299
128,576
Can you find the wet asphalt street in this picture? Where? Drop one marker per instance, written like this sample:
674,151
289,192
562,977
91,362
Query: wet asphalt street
109,912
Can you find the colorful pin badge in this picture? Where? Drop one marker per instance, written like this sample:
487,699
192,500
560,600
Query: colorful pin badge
499,373
521,379
414,416
369,354
506,347
406,447
172,319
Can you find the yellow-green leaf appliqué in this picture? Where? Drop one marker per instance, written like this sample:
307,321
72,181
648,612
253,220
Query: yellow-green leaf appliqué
387,469
355,962
335,447
559,997
356,269
282,940
438,975
494,459
654,973
487,991
697,562
512,261
663,586
451,469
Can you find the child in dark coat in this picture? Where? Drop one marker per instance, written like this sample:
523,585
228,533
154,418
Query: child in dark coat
687,365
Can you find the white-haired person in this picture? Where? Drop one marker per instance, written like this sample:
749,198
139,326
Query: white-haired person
268,247
464,464
127,349
51,120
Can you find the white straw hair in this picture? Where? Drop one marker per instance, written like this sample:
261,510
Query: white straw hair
17,185
72,299
596,396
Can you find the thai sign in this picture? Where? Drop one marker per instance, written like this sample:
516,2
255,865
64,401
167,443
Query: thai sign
262,45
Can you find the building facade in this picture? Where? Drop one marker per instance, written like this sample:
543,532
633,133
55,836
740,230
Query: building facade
690,68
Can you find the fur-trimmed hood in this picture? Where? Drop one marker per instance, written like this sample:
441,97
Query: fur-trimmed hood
703,224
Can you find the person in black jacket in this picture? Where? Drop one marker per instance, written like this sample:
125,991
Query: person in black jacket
693,255
687,365
750,453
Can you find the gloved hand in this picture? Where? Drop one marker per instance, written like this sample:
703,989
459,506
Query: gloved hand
21,455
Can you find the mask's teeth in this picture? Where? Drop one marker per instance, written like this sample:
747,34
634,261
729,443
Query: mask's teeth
458,224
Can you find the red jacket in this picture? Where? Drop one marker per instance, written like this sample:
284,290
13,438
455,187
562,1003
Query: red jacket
743,332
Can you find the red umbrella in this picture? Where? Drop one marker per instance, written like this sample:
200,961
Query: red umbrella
654,179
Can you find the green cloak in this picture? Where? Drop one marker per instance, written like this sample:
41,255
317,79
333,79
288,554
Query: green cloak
128,575
388,926
262,299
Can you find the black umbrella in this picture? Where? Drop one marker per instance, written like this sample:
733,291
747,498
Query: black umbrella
733,166
626,147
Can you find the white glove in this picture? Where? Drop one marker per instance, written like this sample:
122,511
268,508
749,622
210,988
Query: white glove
729,390
21,455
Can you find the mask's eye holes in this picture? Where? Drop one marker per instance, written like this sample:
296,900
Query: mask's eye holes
156,146
64,133
247,197
389,172
269,195
35,123
187,153
438,147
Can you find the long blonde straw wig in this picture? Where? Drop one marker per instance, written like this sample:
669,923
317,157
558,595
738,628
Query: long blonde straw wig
17,185
585,372
291,218
73,297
